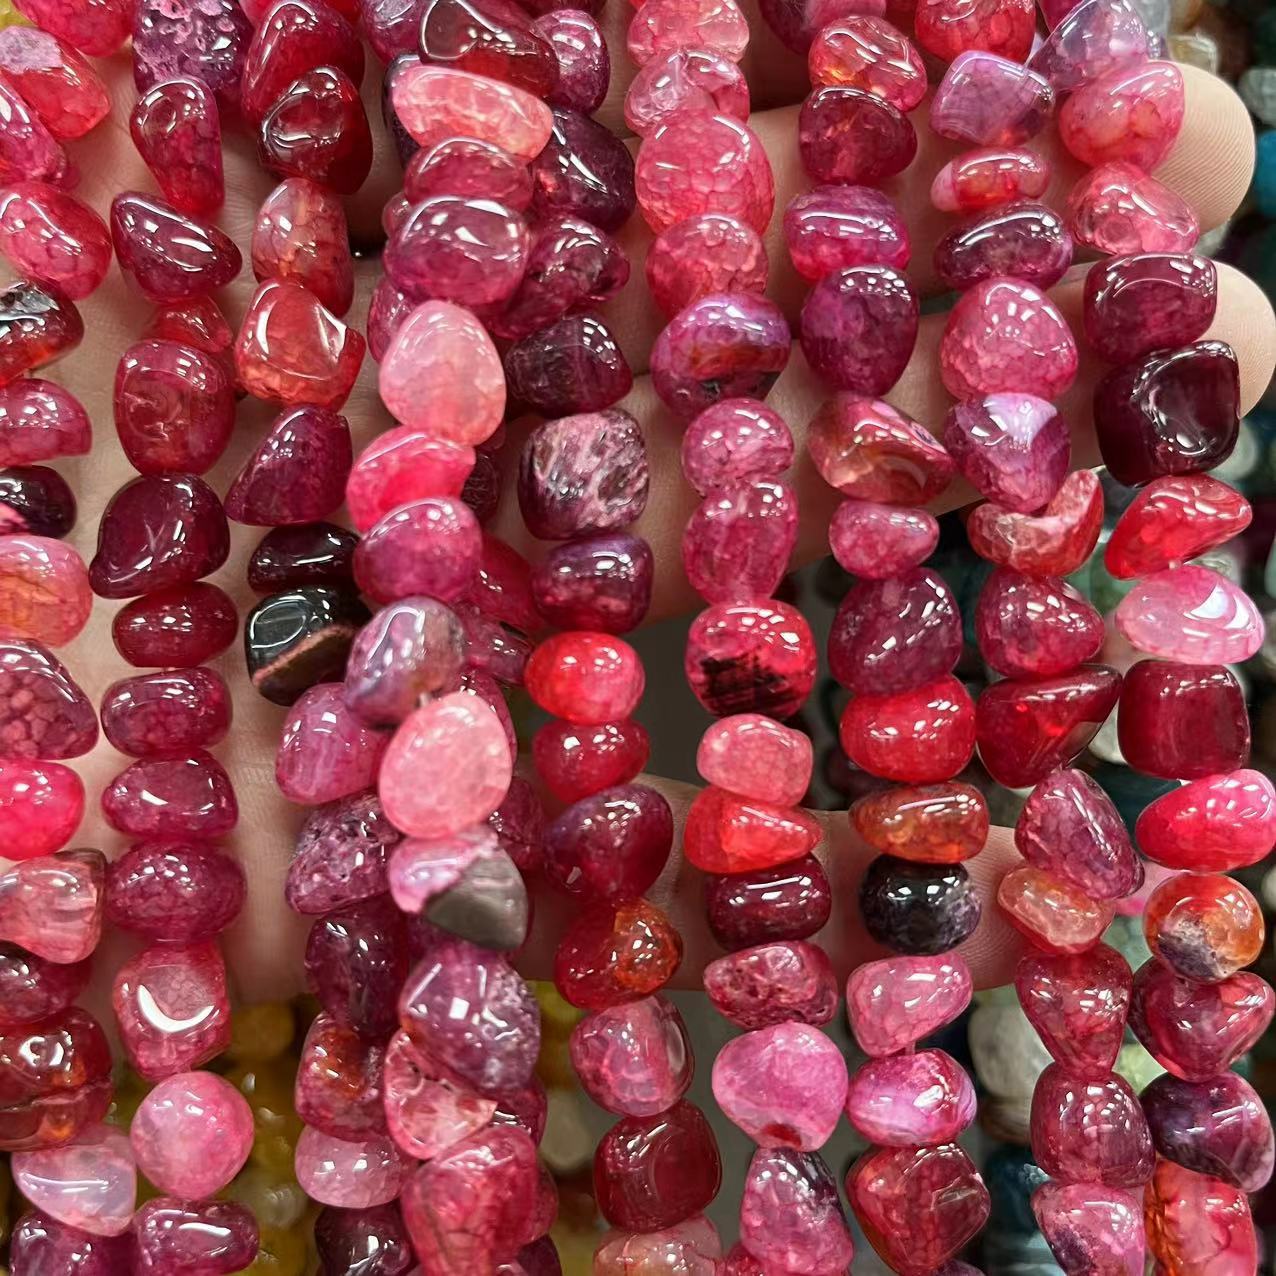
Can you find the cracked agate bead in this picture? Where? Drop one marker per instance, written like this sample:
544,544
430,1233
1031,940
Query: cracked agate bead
40,421
40,1243
584,170
355,962
1092,39
1005,335
738,541
1134,305
53,238
471,168
38,325
426,1109
170,256
53,80
729,834
292,37
704,254
582,57
585,678
1054,542
174,407
177,132
1090,1131
430,546
1205,926
189,796
1092,1228
1014,447
653,1172
911,1100
635,1059
174,892
1118,209
202,43
339,1082
863,51
1132,115
291,350
734,441
1003,27
610,845
599,582
832,228
982,179
300,236
790,901
754,757
1078,1003
184,626
43,712
876,541
400,466
495,39
572,366
166,713
1051,912
985,99
1022,239
850,137
1212,825
340,855
44,590
1035,626
28,151
894,635
684,78
858,327
212,1237
52,906
1196,1221
613,953
933,824
919,736
790,1214
576,762
1173,412
918,1206
41,805
916,908
716,25
675,163
724,345
773,983
351,1173
88,1183
1191,614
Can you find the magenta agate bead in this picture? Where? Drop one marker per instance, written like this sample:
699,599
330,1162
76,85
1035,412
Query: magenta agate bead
791,901
493,39
979,180
292,37
40,421
735,441
1193,615
1090,40
572,366
737,543
1053,543
174,892
41,805
184,626
430,546
786,980
1003,27
56,82
862,51
470,168
43,711
176,130
1023,240
755,757
38,325
1035,626
170,256
340,855
584,63
849,137
189,796
1090,1227
717,25
725,833
790,1215
52,237
28,151
1118,209
724,345
635,1059
858,327
584,170
1132,115
45,590
599,582
911,1100
834,227
356,960
1134,305
707,253
301,236
685,78
201,1236
1212,825
578,761
89,1182
400,466
351,1173
988,100
40,1243
876,541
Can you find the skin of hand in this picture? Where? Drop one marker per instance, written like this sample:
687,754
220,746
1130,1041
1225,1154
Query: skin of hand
1210,166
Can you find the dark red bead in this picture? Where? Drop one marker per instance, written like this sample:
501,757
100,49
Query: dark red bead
184,626
307,554
599,582
189,796
169,255
38,324
789,901
166,714
573,366
317,128
43,712
174,892
356,961
494,38
585,171
36,499
575,761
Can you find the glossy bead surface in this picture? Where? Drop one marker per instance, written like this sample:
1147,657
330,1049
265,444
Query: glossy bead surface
50,236
190,796
183,626
733,441
44,590
919,736
1214,824
292,37
174,892
860,50
1013,447
685,77
1035,626
40,421
27,149
709,252
850,137
1054,542
1090,1227
169,255
1119,209
612,844
38,325
986,99
1092,39
1003,27
1132,115
935,824
911,1100
635,1059
205,1237
1171,520
52,906
1134,305
40,1243
1212,619
773,983
54,80
876,541
1198,1221
1205,926
89,1183
492,39
790,901
584,171
979,180
616,953
790,1213
834,227
301,236
585,677
755,757
1022,239
176,131
584,63
340,855
41,805
1051,912
35,988
43,712
918,909
572,366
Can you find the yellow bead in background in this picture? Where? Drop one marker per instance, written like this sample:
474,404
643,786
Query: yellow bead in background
9,16
282,1252
275,1202
130,1090
268,1087
558,1015
260,1032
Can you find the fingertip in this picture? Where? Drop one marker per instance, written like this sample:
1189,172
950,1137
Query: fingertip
1246,321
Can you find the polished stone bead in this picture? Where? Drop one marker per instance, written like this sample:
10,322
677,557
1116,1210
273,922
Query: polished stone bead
28,151
577,761
174,407
791,1216
716,25
859,50
471,168
755,757
1092,1228
585,677
1022,239
400,466
610,845
38,325
1205,926
733,441
1092,39
1211,825
573,366
44,590
707,253
292,37
729,834
205,1238
41,1244
1197,1030
723,345
858,327
585,171
784,1085
738,542
1198,1222
600,582
672,183
35,988
1217,1127
466,1007
172,1008
88,1183
356,960
192,1134
325,751
1003,27
918,1206
1078,1004
1051,912
849,137
205,43
340,855
1119,209
41,804
40,421
176,130
986,99
832,228
876,541
685,78
918,909
60,86
436,103
199,323
894,635
297,557
170,256
911,1099
43,712
36,499
52,906
427,1109
982,179
492,38
291,350
1013,447
919,736
430,546
692,1246
611,954
190,796
934,824
157,532
53,238
652,1172
773,983
790,901
1090,1131
351,1173
584,64
635,1059
184,626
1182,721
1035,626
375,1238
1191,614
1134,305
571,265
56,1076
300,236
1132,115
1069,827
388,309
174,892
475,1206
1054,542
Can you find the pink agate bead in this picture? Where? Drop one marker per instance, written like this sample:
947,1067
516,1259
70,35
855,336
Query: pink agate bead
56,82
897,1001
1119,209
436,103
192,1134
685,78
203,1238
707,253
1092,1228
353,1175
988,100
442,374
1212,825
89,1183
784,1086
447,767
862,51
52,237
53,906
911,1100
1198,1223
1004,27
585,678
1035,626
400,466
1052,913
1053,543
44,590
41,805
1191,614
772,983
756,757
300,235
704,164
1091,39
1130,116
40,421
691,1247
732,441
847,136
876,541
325,750
833,227
979,180
790,1215
177,132
661,26
426,1109
430,546
738,542
1024,240
635,1059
